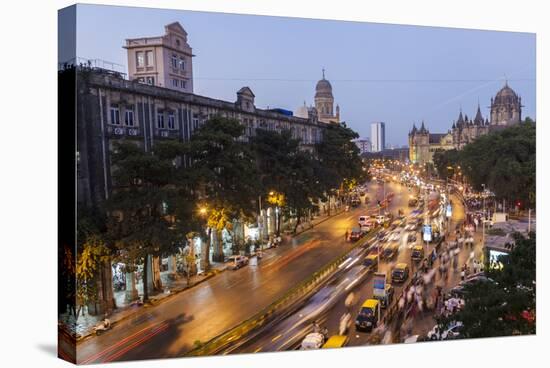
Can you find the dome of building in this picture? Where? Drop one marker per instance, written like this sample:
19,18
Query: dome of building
323,88
505,95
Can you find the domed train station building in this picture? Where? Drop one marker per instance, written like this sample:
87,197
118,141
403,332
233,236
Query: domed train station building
505,111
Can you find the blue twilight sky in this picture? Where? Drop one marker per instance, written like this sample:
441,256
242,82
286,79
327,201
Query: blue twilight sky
379,72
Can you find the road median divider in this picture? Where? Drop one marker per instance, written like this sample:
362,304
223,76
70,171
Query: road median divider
269,313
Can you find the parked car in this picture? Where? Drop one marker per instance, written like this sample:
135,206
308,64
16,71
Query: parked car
236,262
400,273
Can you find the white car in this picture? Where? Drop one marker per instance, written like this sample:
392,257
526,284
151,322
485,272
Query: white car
364,220
313,341
452,332
236,262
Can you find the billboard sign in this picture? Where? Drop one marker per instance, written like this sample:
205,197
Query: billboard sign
379,284
427,231
449,212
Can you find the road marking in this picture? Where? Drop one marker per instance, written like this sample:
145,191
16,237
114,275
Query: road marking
276,338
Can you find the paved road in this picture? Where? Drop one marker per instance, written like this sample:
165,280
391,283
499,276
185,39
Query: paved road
171,328
327,306
327,302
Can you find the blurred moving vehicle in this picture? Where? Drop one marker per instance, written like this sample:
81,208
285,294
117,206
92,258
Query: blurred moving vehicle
314,340
400,273
336,341
389,252
417,254
452,332
387,299
236,262
371,262
368,316
355,234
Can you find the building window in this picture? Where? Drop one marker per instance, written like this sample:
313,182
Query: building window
183,84
177,42
129,117
141,80
151,81
195,121
115,115
182,64
174,61
174,82
160,120
149,58
171,121
140,59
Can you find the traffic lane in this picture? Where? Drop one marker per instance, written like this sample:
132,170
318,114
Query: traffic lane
365,291
230,293
287,334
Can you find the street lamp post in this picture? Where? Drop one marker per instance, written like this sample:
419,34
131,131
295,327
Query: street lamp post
484,218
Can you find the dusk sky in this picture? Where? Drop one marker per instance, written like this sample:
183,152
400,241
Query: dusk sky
391,73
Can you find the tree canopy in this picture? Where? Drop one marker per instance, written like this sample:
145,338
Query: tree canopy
506,306
503,160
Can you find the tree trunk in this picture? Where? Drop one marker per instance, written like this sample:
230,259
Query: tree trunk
206,253
144,279
131,291
297,223
218,246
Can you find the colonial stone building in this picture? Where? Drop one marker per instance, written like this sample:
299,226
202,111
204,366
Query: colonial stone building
164,61
111,108
505,111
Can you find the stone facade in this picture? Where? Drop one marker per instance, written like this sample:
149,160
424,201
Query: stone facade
164,61
505,111
110,108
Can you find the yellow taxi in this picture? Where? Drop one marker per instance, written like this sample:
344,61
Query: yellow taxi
368,316
336,341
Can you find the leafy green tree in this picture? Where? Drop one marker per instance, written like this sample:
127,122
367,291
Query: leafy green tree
224,170
507,306
503,160
339,160
141,217
446,162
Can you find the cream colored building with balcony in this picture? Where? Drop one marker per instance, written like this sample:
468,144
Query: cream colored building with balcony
163,61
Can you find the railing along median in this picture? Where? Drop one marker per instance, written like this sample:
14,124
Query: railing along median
261,318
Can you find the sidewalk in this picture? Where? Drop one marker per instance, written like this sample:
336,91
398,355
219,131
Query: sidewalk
83,326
